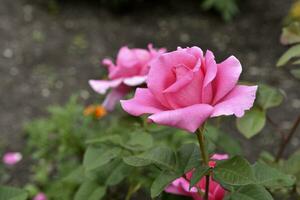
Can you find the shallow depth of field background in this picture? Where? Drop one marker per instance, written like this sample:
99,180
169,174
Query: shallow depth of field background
49,51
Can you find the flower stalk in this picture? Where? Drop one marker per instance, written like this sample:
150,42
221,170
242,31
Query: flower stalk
204,154
286,140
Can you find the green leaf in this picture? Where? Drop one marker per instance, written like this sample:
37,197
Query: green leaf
268,96
75,176
292,164
198,174
139,141
293,52
85,190
118,174
250,192
235,171
296,73
114,139
161,182
252,122
97,157
271,177
10,193
291,33
98,193
161,156
90,190
188,157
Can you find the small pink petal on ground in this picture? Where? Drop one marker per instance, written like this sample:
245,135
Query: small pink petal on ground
40,196
12,158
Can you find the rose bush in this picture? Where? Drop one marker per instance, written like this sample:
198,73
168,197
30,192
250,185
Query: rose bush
131,69
185,88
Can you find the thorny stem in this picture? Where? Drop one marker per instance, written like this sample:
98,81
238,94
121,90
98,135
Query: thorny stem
286,141
203,150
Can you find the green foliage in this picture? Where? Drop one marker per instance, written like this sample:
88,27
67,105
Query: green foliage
227,8
234,172
97,157
296,73
57,143
223,141
188,157
9,193
291,33
78,157
163,157
252,122
162,181
291,166
271,177
268,97
198,174
250,192
292,53
90,190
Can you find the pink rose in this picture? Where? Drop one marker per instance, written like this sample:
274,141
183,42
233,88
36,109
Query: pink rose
185,88
40,196
181,186
131,69
12,158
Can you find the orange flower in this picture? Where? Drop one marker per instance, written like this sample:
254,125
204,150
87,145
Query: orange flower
97,111
100,112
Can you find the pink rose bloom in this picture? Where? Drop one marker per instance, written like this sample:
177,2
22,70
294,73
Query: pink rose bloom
12,158
185,88
131,69
181,186
40,196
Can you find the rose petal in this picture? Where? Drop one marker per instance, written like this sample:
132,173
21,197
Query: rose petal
161,76
115,96
227,77
186,91
196,51
143,102
241,98
142,55
219,156
188,118
218,192
176,187
209,71
126,57
210,68
128,64
183,76
101,86
135,80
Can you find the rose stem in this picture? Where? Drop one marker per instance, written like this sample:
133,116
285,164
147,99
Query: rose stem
286,141
203,150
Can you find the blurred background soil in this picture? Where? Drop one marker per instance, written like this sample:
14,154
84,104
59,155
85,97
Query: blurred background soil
49,51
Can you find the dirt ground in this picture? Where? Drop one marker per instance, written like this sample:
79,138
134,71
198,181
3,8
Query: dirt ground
48,52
